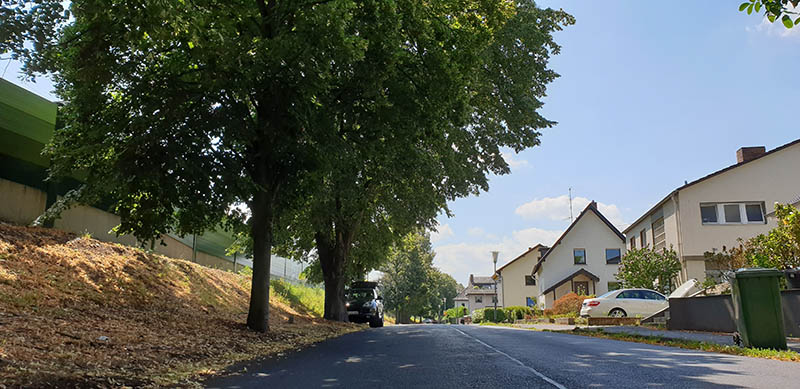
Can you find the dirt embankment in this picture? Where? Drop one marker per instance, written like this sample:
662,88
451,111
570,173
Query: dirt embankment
77,312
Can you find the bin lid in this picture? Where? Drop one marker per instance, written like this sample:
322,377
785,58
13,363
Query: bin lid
757,272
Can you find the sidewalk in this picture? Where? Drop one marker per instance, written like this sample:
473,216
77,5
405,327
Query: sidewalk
708,337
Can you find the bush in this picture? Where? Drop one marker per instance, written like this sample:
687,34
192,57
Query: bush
456,312
489,315
569,304
477,316
516,313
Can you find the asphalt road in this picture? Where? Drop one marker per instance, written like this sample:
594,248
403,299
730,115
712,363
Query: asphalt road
443,356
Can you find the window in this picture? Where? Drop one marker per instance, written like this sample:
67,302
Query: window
754,212
613,256
650,295
732,213
633,242
479,299
708,213
630,294
659,236
530,301
643,238
494,299
580,256
529,280
614,285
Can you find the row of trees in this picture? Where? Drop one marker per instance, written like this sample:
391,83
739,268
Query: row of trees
325,128
411,285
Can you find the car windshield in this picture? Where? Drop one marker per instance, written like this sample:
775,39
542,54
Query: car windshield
360,294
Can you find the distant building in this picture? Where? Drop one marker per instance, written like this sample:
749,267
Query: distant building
479,293
712,212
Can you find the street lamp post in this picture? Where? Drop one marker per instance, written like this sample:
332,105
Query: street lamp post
494,277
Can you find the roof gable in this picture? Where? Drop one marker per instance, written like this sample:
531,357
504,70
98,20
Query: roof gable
592,207
538,246
706,177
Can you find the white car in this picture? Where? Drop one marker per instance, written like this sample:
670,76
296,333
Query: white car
624,303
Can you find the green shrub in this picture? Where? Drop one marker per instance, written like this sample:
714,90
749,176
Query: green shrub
494,316
477,316
517,312
456,312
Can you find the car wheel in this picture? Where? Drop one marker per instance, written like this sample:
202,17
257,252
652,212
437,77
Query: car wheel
373,323
617,312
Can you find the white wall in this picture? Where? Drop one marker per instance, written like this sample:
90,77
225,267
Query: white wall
514,291
593,235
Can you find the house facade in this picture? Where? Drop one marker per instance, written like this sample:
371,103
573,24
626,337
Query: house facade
479,293
584,260
712,212
518,286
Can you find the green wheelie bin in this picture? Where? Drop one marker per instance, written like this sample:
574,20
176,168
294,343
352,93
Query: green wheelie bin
757,307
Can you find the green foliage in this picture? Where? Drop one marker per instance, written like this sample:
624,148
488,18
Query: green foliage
779,248
456,312
517,312
649,268
410,283
494,315
785,10
303,298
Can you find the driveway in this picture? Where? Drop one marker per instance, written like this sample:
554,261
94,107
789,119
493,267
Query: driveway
452,356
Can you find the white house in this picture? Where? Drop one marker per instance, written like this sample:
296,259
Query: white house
584,260
712,212
479,293
519,287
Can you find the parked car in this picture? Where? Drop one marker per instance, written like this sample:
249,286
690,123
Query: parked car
623,303
363,304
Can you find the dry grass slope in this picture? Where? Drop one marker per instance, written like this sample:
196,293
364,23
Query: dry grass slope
77,312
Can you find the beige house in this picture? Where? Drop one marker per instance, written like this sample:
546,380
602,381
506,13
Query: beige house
584,260
518,286
712,212
479,293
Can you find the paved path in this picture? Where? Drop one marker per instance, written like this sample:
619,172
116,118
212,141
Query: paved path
443,356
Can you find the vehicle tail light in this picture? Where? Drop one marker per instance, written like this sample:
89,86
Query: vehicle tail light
594,303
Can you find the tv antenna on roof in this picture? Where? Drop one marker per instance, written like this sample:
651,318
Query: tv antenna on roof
570,205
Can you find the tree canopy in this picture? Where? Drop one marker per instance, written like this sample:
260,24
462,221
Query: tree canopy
784,10
649,268
340,124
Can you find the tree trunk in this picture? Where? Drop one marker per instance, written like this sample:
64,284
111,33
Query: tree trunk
332,258
261,232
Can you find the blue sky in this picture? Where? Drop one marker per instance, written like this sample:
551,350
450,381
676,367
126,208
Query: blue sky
650,95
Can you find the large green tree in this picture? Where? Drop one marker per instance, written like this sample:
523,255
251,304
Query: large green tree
345,121
456,84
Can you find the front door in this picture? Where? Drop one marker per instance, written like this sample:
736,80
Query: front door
581,287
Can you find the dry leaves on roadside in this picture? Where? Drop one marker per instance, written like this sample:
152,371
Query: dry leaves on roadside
76,312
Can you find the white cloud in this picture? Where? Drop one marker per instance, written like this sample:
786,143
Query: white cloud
557,208
475,257
475,231
442,233
512,161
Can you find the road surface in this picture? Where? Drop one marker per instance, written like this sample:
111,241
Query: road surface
452,356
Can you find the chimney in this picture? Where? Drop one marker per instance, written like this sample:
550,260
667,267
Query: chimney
746,154
471,279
